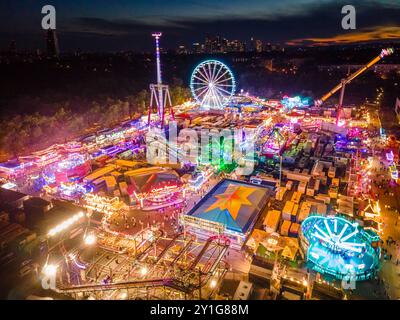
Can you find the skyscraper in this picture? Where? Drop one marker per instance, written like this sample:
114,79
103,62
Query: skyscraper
196,47
256,45
52,44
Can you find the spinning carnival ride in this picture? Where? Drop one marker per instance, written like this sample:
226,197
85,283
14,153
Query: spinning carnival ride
339,248
212,84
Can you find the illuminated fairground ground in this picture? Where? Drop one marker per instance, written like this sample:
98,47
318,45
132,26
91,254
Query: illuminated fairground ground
105,223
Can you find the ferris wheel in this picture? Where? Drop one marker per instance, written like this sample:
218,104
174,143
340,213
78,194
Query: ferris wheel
212,84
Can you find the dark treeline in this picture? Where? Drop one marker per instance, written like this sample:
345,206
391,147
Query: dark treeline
23,133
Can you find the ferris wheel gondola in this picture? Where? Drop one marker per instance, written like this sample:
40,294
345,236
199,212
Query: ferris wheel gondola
212,84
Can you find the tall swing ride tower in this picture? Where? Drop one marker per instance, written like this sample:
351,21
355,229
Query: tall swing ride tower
342,85
160,96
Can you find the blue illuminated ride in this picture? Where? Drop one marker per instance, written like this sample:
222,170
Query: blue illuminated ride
337,247
212,84
295,102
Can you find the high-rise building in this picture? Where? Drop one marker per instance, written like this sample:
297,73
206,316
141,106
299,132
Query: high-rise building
52,44
196,47
216,44
208,44
236,46
256,45
182,50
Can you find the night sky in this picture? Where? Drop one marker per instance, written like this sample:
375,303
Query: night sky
107,25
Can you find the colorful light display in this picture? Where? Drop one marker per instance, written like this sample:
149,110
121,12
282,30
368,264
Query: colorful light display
164,195
292,102
212,84
73,190
394,173
276,141
339,248
66,224
198,181
106,205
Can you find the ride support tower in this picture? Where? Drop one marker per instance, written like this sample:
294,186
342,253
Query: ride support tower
159,92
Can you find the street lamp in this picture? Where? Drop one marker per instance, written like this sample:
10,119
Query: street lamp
123,296
49,270
90,239
143,271
213,283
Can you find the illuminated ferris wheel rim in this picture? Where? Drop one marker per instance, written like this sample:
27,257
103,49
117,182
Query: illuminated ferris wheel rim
212,84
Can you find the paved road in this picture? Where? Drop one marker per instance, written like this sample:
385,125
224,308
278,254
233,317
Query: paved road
389,195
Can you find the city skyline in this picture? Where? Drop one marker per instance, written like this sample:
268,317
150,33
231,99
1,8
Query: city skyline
127,25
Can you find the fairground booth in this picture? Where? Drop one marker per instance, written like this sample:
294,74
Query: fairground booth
154,187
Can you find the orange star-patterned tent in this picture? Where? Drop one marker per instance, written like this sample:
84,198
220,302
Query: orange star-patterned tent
235,204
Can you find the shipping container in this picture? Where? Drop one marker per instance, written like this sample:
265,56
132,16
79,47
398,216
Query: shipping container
285,227
287,210
271,221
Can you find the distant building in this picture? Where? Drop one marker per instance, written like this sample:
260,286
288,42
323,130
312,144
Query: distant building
52,47
259,46
214,44
256,45
236,46
208,44
197,48
218,44
182,50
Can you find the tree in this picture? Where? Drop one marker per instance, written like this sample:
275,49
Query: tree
142,99
179,94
